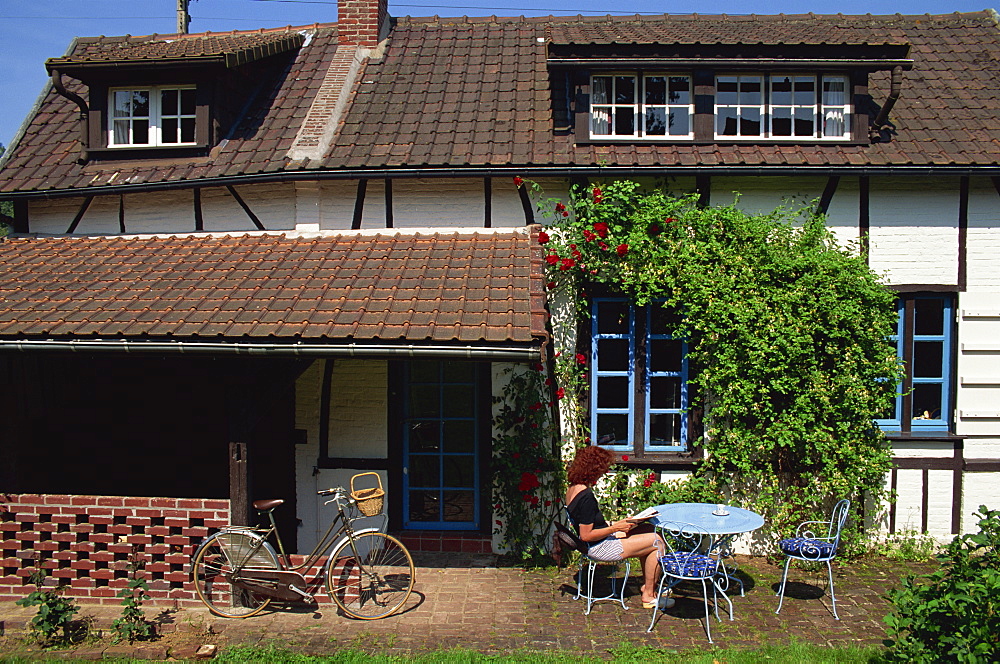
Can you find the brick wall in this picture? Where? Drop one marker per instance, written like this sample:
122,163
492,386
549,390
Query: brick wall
85,541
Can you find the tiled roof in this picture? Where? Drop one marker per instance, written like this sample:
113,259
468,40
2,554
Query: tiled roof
698,29
483,288
476,93
236,47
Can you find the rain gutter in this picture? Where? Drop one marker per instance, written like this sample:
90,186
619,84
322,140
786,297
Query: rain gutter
496,354
511,171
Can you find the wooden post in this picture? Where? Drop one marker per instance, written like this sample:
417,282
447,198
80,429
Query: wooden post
239,488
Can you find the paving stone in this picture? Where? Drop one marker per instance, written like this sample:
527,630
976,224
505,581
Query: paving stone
496,610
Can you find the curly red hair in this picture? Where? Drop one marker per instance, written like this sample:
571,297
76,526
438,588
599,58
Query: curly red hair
589,464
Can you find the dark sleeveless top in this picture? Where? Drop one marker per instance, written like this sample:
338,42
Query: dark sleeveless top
584,509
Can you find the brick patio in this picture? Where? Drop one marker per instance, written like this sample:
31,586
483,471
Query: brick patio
467,601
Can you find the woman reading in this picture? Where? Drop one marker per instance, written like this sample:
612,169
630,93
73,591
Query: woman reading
606,544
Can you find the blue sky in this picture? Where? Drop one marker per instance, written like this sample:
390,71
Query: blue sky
33,30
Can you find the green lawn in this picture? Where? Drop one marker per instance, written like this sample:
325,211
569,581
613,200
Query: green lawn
796,653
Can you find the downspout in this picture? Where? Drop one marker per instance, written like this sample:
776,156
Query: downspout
880,123
84,112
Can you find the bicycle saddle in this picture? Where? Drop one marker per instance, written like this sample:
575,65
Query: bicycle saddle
264,505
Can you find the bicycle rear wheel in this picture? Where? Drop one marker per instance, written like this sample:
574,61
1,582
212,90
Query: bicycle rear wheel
376,582
213,568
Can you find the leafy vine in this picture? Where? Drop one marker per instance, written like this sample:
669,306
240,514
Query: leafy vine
786,331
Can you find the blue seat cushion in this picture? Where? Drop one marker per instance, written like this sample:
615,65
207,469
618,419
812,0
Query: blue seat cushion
689,565
804,547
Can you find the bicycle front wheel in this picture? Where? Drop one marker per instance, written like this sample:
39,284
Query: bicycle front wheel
373,578
214,567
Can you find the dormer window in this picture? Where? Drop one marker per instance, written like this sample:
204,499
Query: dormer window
782,106
641,106
152,116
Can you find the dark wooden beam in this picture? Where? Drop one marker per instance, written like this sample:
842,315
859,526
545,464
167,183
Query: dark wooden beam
925,498
703,187
388,203
529,209
239,484
864,212
199,217
324,408
121,213
79,214
963,232
246,208
893,481
956,487
831,188
359,203
488,202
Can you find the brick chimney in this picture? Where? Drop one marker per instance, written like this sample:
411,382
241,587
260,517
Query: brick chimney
359,21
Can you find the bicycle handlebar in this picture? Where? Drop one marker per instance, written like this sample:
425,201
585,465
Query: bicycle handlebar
331,492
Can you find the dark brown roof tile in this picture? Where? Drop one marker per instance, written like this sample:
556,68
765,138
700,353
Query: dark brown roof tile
352,286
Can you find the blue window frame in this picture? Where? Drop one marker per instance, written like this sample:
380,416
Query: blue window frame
638,388
924,345
441,430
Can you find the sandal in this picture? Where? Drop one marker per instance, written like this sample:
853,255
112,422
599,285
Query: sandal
665,603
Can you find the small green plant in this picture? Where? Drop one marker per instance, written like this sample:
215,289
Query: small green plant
953,614
907,546
53,623
132,625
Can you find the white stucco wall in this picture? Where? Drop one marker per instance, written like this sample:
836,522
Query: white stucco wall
358,403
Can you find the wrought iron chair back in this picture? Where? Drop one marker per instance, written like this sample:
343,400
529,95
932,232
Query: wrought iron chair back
691,554
811,545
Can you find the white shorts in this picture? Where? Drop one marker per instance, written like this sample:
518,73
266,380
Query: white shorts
608,550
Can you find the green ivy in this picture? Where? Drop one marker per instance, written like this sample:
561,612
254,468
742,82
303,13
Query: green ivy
953,614
787,333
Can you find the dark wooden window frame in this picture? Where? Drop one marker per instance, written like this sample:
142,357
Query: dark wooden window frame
703,120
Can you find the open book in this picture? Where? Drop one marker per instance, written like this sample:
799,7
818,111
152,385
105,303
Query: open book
644,515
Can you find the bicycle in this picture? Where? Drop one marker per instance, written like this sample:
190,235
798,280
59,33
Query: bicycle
368,575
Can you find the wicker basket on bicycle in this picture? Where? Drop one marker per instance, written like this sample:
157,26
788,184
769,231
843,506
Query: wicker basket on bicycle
369,500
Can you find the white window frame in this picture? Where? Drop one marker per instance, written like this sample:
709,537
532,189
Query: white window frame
827,113
610,109
155,118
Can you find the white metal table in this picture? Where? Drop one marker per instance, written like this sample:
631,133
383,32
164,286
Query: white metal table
723,528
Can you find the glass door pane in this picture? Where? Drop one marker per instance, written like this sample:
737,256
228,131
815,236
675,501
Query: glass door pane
440,445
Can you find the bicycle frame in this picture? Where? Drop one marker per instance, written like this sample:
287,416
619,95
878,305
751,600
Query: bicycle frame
334,536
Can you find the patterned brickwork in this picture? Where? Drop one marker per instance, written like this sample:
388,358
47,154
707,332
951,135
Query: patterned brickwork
85,542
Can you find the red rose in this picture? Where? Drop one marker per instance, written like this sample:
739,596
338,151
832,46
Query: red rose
566,263
603,246
598,195
647,483
518,181
560,393
654,229
534,407
543,237
499,522
588,236
581,358
560,207
601,229
576,255
565,214
669,220
537,366
515,455
624,457
622,249
552,259
550,285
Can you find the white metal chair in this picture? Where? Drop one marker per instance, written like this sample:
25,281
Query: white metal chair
691,555
812,547
588,571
